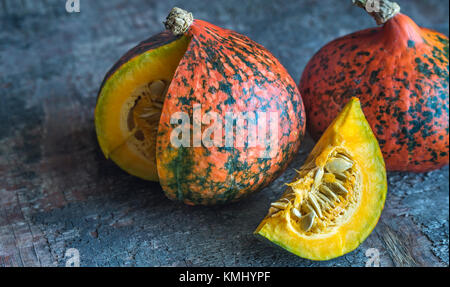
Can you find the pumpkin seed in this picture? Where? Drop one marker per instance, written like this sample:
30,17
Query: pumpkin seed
339,181
285,199
315,205
308,208
290,195
338,165
325,199
339,188
151,109
328,192
296,212
273,210
279,205
323,205
343,156
318,177
340,176
307,221
150,114
157,89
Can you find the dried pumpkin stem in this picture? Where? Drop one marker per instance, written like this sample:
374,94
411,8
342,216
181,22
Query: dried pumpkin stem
178,21
381,10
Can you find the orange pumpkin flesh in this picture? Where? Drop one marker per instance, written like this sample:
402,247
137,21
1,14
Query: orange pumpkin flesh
219,70
338,195
400,73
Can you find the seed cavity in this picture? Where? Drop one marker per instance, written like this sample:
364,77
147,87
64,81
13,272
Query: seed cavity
322,196
143,117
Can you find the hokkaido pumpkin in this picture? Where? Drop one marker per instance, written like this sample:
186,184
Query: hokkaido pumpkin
337,197
400,73
197,69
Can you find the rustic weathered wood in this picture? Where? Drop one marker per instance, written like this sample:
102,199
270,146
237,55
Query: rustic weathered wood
58,192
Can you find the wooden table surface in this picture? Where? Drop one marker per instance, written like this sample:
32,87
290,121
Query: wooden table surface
58,192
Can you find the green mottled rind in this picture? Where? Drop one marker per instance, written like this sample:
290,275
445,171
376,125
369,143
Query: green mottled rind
400,74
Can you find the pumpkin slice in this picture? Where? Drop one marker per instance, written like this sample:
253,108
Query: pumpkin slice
130,103
338,195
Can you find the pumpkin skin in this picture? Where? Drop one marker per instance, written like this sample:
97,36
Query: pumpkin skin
223,71
400,73
152,43
351,132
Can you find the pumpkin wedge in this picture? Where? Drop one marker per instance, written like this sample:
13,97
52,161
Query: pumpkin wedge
196,68
338,195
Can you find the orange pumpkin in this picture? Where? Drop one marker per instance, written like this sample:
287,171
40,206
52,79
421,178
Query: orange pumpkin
217,69
400,73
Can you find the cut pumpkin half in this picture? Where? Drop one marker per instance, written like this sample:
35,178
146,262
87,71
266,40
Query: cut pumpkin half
338,195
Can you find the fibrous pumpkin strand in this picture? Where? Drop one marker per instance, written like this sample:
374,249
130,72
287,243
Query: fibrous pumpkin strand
321,195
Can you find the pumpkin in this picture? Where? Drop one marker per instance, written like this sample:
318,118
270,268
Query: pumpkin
338,195
400,73
183,79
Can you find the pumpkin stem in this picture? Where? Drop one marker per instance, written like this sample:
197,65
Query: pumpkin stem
381,10
178,21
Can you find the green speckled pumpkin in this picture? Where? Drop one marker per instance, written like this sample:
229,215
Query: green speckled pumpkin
400,73
196,63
